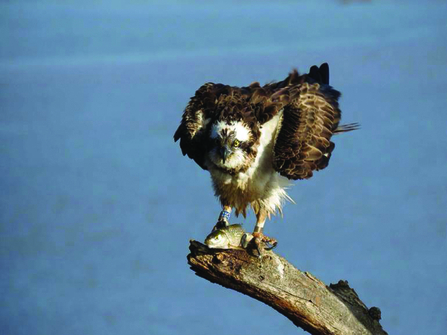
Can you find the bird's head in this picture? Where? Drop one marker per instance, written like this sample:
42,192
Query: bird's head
231,145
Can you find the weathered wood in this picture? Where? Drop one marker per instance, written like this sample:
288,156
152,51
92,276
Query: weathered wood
304,299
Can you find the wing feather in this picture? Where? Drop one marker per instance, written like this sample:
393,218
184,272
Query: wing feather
312,116
309,117
198,115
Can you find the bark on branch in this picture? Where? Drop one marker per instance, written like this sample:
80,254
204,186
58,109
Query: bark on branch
302,298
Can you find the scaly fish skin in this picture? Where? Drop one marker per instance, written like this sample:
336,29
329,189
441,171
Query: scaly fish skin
229,237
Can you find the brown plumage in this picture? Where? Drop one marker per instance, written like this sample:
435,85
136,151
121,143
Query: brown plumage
311,116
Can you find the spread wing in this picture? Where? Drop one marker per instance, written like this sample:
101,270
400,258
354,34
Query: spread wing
309,120
310,116
192,130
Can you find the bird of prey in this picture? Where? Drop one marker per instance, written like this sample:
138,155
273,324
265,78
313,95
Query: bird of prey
253,140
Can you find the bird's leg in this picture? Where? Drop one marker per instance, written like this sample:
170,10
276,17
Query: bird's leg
261,216
224,218
258,237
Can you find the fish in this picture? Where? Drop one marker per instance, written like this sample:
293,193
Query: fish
228,237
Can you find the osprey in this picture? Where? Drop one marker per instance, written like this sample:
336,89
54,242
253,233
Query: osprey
254,139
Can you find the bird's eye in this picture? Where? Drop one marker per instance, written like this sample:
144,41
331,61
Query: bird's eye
236,143
216,238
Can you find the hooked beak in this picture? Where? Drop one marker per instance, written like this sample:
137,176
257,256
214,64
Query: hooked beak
224,153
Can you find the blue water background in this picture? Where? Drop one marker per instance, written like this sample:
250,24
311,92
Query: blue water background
97,204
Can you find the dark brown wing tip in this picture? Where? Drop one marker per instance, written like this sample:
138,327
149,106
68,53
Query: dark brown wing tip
320,74
324,73
314,73
347,127
177,134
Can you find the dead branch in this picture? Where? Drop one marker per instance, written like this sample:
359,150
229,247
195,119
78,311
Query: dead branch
302,298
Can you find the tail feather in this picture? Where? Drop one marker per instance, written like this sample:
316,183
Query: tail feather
347,127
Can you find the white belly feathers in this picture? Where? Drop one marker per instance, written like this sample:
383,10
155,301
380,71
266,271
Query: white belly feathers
260,185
